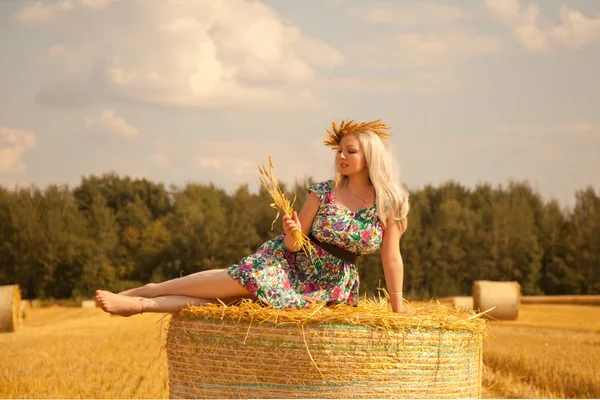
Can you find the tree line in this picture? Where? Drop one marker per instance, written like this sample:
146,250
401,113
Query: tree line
115,232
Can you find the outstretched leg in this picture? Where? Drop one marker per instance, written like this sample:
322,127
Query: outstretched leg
127,306
211,284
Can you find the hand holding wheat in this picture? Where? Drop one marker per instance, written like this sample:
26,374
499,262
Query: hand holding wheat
291,224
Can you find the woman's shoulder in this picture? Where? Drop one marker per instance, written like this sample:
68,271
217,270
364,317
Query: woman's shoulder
321,189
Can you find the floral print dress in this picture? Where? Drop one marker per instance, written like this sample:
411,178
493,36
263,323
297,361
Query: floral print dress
284,279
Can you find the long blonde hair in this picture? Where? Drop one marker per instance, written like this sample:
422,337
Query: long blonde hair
392,196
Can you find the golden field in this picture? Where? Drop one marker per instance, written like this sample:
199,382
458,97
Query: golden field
550,351
76,353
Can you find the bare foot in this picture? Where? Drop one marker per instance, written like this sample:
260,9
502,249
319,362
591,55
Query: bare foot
118,304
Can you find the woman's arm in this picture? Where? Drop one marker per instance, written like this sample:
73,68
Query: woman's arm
302,221
393,267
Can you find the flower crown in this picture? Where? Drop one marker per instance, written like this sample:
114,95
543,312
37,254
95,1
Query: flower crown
335,135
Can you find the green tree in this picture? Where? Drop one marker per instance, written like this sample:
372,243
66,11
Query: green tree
99,269
586,235
558,273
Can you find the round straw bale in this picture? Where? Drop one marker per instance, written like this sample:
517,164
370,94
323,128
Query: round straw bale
465,302
10,308
367,351
36,303
88,304
445,301
25,307
503,297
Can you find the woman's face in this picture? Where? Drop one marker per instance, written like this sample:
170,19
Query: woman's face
350,158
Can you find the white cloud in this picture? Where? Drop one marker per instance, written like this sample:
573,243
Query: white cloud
538,34
506,10
418,35
40,12
410,15
13,144
576,30
425,50
108,123
197,53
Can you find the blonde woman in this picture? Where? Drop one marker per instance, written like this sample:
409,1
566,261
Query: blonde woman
360,211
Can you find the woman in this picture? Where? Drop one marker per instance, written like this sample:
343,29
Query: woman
363,210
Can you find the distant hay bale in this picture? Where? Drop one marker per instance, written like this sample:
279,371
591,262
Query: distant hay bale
445,301
10,308
465,302
24,309
88,304
36,303
584,300
503,297
249,351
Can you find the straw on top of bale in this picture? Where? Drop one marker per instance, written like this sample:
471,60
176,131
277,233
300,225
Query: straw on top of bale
376,314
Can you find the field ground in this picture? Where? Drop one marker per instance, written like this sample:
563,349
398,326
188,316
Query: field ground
551,351
77,353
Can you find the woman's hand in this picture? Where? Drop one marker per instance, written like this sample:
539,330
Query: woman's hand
291,224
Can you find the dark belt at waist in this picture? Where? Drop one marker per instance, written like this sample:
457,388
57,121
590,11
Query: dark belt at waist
335,251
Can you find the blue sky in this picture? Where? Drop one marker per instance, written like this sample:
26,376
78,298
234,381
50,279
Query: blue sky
202,91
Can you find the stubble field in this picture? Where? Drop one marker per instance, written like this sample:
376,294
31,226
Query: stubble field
551,351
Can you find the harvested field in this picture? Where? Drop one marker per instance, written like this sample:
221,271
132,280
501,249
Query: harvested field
77,353
550,351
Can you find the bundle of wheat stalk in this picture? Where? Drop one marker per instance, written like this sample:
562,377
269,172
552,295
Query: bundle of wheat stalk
281,203
499,300
342,351
10,308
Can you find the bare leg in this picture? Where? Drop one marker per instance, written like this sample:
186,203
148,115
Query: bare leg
127,306
211,284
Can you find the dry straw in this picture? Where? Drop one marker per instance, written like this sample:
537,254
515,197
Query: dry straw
500,300
10,308
366,351
281,203
335,135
